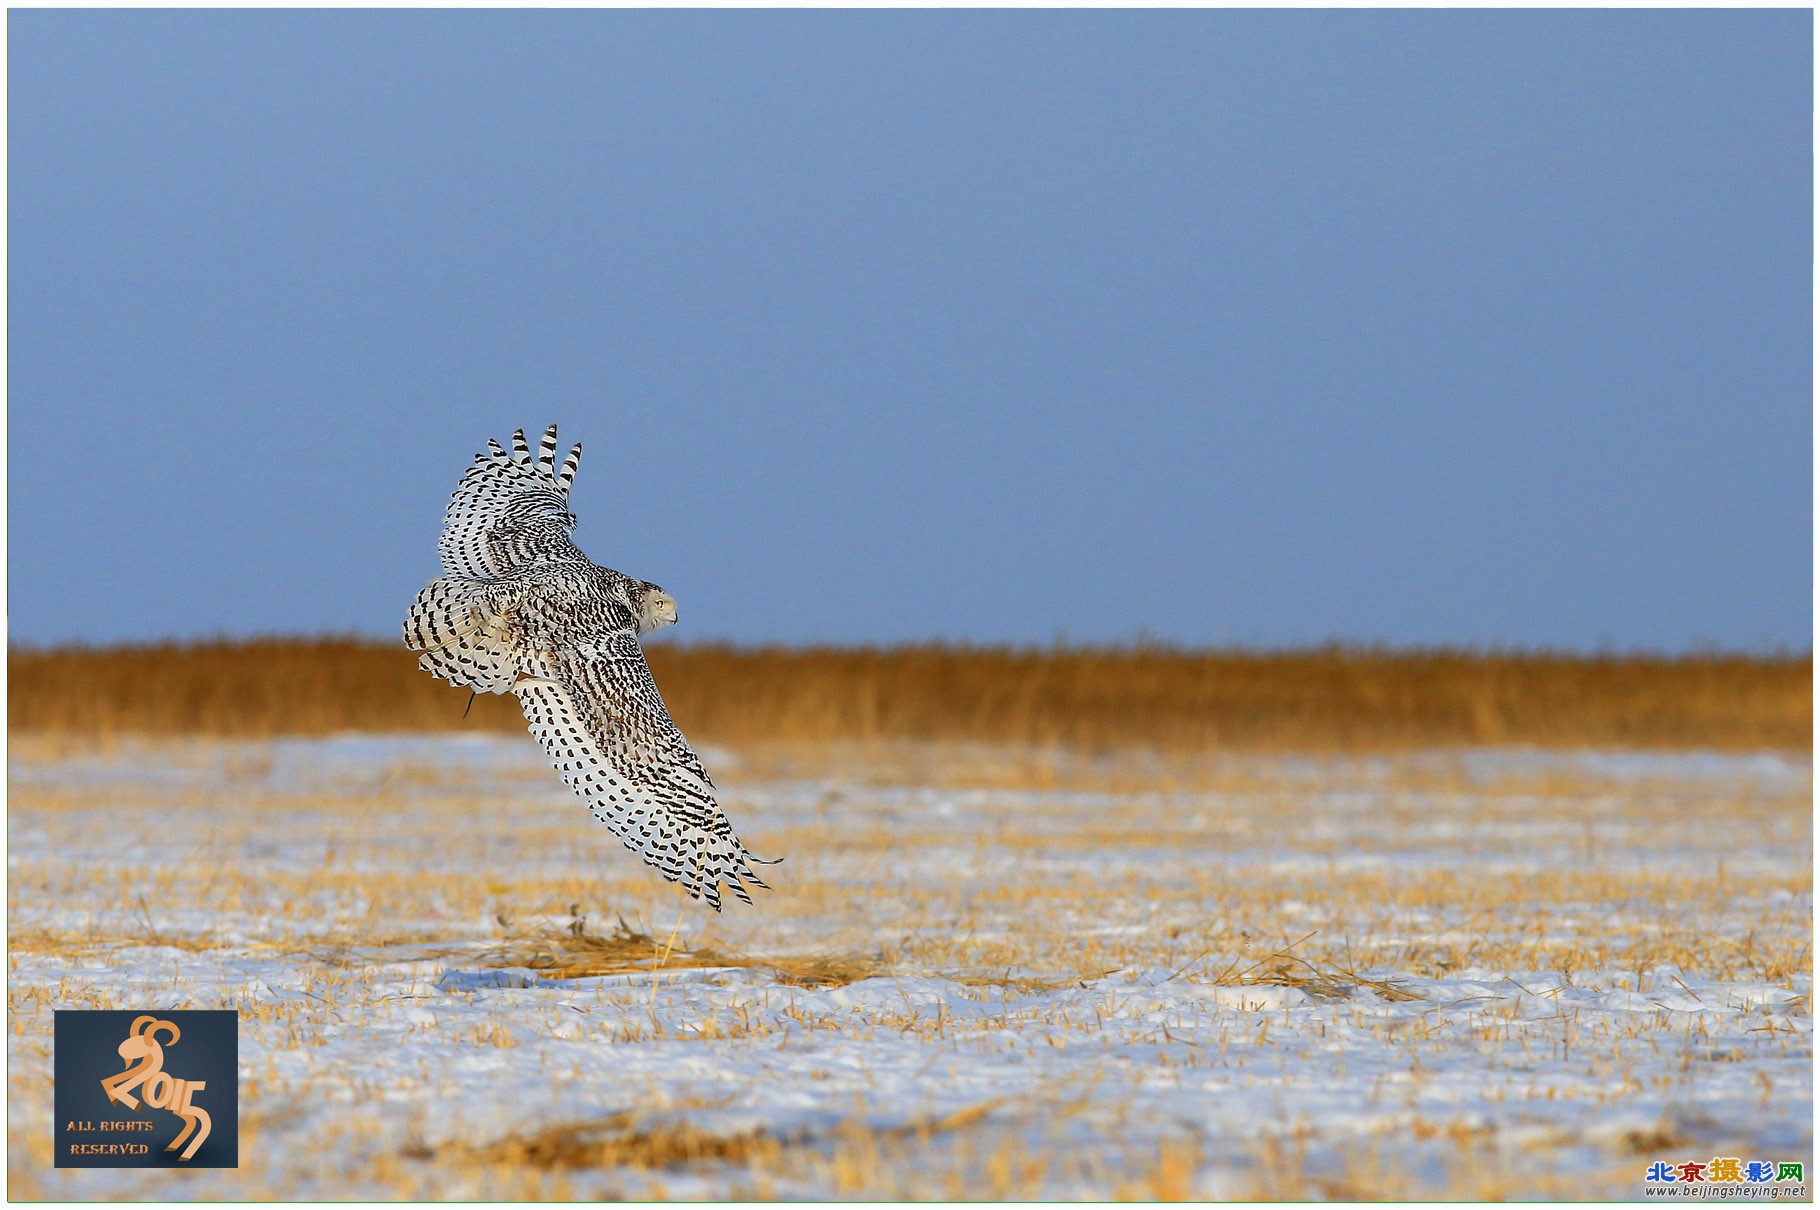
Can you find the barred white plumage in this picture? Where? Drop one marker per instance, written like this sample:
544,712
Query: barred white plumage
521,610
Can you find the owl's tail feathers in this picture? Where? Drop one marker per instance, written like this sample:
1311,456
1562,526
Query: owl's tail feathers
461,642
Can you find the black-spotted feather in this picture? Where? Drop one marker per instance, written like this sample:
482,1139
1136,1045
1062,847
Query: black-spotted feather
510,510
598,715
462,627
522,610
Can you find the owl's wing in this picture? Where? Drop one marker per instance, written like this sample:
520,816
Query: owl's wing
597,713
509,510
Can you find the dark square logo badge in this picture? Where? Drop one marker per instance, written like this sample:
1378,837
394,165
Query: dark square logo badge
147,1089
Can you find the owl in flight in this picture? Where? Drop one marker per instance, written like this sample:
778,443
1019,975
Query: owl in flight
519,609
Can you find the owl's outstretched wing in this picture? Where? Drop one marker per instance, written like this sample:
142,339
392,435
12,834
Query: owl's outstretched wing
597,713
510,510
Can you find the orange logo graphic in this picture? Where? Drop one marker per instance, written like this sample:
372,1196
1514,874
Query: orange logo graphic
145,1065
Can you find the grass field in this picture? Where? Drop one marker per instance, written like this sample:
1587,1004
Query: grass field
1153,698
988,969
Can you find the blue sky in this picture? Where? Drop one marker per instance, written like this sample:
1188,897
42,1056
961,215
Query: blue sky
1222,327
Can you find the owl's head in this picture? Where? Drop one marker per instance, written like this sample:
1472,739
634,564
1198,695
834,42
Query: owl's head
656,608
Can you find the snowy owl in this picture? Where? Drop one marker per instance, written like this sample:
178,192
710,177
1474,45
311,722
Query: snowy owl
521,610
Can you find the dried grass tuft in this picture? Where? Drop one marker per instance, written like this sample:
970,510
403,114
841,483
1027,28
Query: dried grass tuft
620,1141
633,1140
1331,979
576,953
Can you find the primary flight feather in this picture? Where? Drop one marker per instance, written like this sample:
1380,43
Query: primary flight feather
521,610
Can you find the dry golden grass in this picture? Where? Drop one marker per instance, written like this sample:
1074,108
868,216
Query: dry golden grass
616,1142
932,1156
575,953
1083,699
628,1140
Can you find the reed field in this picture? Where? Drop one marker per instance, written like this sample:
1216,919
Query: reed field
1156,698
1136,924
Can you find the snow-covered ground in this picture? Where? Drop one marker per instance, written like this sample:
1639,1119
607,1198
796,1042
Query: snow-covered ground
1493,973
